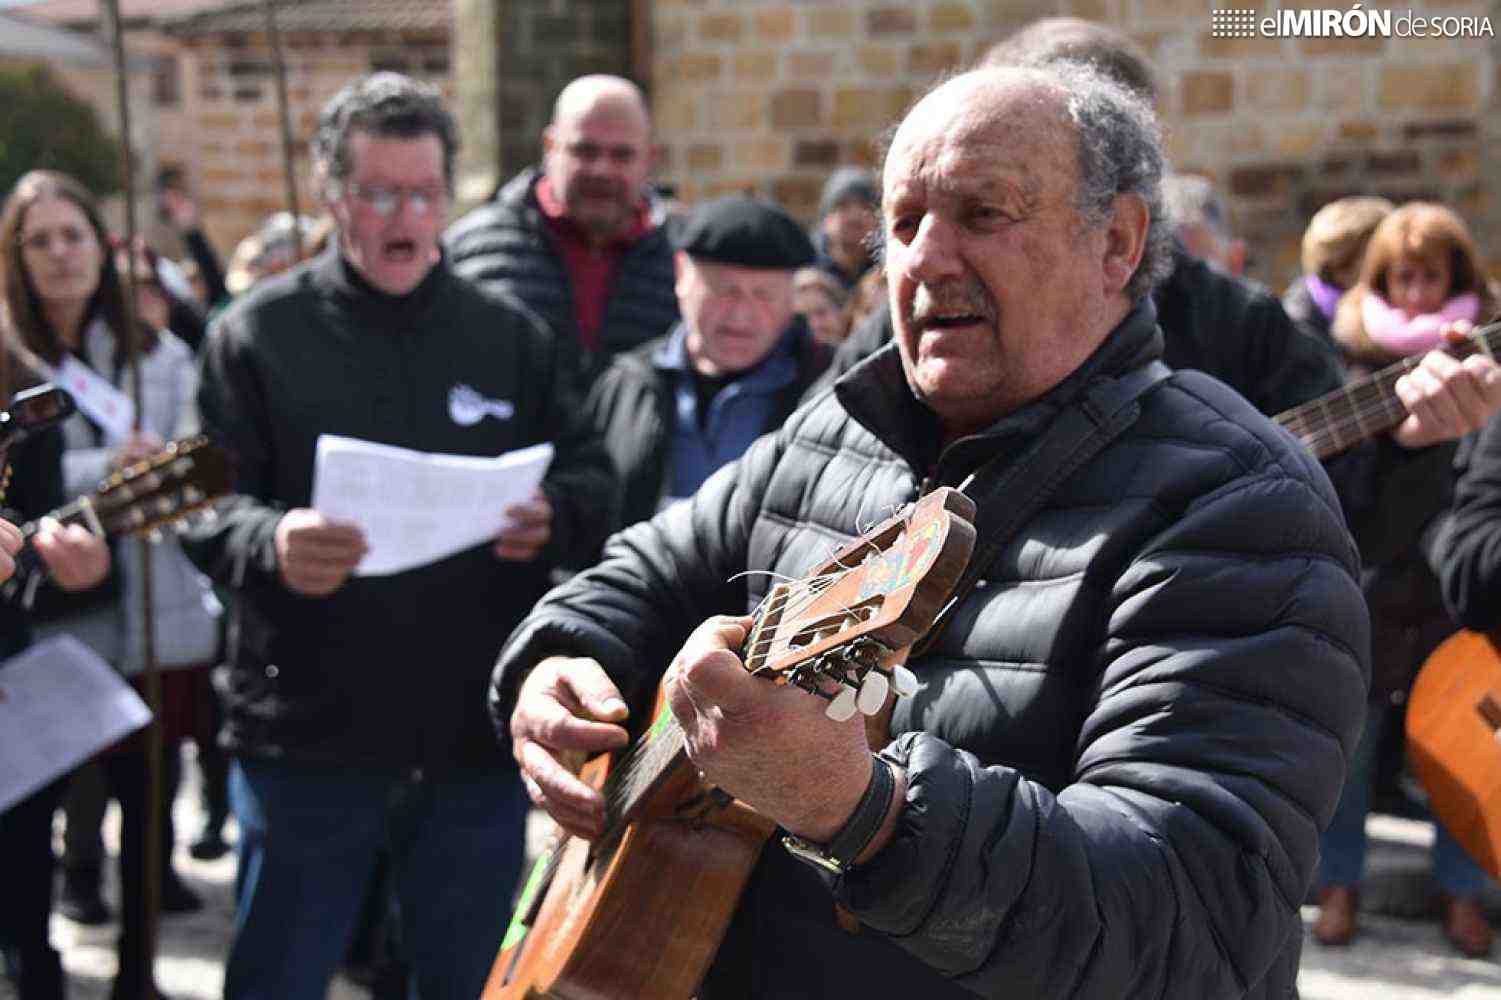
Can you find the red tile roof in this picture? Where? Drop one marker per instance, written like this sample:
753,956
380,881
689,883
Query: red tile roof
318,15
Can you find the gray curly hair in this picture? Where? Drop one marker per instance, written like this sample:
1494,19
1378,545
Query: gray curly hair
1120,152
386,104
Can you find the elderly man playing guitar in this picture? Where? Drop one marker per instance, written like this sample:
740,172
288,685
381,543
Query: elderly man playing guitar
1131,723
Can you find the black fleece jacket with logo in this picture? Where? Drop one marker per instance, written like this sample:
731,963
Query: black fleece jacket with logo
389,672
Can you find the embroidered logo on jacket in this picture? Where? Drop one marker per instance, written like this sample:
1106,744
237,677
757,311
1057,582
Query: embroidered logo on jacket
467,407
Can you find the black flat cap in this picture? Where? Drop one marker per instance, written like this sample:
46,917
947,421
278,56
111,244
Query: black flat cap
743,231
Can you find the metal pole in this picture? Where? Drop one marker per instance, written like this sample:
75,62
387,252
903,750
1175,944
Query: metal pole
289,171
151,846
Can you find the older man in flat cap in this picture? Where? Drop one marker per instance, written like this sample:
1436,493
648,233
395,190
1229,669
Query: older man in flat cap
676,409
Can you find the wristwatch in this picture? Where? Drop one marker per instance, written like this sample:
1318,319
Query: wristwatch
858,831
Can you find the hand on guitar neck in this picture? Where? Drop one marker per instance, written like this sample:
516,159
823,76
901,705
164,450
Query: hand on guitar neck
772,747
76,558
1448,397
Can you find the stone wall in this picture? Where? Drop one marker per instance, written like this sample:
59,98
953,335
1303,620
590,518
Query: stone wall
226,129
769,95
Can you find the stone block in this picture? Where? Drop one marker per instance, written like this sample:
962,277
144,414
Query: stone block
880,61
720,26
1397,163
774,24
827,21
755,64
698,67
705,156
1264,181
1452,85
1283,89
932,58
890,21
796,108
798,195
762,153
737,109
804,65
952,17
1454,128
1459,164
815,153
1207,92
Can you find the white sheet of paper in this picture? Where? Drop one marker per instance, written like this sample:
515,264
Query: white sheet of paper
59,705
416,507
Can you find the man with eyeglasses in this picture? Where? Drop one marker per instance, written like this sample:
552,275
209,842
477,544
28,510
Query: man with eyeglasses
353,703
580,241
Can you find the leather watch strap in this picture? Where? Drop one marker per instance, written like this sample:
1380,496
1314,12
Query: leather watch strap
858,831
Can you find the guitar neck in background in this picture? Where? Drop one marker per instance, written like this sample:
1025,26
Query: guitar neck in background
1369,406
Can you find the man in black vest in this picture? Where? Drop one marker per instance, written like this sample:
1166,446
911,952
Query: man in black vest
580,241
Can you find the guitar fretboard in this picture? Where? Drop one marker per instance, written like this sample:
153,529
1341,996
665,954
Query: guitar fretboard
1369,406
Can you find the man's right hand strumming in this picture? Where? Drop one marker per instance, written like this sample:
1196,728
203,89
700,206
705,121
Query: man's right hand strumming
315,555
567,707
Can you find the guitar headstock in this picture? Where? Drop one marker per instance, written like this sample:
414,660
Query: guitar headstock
842,632
184,477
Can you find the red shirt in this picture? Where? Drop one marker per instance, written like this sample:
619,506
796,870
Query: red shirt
591,269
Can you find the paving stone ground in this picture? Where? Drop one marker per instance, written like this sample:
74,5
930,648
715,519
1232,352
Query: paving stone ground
1399,955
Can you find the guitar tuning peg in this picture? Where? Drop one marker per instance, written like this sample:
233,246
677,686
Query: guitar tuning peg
154,536
843,705
873,692
903,681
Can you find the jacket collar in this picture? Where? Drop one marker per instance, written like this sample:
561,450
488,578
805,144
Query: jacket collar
876,395
336,280
777,369
519,194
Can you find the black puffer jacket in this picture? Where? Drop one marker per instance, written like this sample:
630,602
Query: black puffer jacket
506,244
631,407
388,672
1127,740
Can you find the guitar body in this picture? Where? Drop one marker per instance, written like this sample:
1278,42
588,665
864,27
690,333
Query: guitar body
1454,742
645,915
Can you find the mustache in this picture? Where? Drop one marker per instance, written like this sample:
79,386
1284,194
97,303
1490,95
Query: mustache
957,297
597,186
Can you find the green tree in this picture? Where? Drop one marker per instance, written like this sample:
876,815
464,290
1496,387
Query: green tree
42,125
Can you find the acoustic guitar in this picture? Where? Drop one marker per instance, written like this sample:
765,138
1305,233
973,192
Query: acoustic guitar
1368,406
180,480
604,919
1454,741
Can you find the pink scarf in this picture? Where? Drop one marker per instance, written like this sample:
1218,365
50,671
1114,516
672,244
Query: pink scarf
1391,330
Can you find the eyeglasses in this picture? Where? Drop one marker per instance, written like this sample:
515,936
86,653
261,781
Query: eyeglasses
71,238
386,200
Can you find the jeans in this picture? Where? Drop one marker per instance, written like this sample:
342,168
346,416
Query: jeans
1342,848
308,843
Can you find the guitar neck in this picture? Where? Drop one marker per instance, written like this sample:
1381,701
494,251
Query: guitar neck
1368,406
